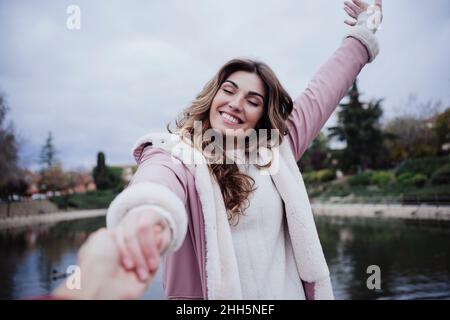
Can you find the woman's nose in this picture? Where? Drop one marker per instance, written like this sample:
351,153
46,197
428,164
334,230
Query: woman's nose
235,104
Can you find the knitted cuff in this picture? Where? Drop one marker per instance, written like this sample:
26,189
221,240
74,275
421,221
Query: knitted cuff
367,38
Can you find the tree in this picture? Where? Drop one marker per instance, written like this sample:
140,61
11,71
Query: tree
48,153
75,179
442,131
105,177
316,156
11,177
53,179
417,108
358,127
411,138
8,150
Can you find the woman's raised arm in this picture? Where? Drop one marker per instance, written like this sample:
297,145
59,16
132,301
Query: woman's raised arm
330,84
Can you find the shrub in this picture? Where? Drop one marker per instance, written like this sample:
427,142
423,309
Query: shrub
441,176
325,175
425,166
411,179
309,177
362,179
381,178
419,180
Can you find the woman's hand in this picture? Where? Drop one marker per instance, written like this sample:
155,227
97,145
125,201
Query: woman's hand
142,237
100,274
356,7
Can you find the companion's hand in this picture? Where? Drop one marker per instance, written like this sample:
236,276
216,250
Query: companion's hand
142,237
101,275
356,7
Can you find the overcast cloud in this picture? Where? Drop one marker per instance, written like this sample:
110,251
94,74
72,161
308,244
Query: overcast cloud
134,65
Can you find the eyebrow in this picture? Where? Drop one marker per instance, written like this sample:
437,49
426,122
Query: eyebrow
253,93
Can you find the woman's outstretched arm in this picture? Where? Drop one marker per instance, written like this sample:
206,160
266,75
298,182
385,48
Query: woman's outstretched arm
149,216
331,83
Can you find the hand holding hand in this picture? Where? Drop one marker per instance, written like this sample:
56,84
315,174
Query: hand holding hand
142,237
100,274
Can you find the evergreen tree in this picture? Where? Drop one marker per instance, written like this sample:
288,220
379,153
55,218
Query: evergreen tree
105,177
358,126
48,153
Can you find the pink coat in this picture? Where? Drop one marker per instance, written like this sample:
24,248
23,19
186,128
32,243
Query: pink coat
184,269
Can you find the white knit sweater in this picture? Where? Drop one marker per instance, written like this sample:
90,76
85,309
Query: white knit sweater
264,253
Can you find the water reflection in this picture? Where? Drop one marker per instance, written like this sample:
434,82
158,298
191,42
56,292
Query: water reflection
30,257
414,259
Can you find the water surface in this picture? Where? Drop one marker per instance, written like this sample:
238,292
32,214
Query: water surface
414,259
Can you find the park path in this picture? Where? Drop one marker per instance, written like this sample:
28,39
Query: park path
25,221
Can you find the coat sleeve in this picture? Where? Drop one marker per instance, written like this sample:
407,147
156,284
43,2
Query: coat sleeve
159,184
326,89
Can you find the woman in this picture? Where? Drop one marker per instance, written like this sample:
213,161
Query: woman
239,229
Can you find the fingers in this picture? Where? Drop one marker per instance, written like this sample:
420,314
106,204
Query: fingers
148,238
350,12
361,4
350,23
125,257
356,9
140,240
135,251
154,239
132,257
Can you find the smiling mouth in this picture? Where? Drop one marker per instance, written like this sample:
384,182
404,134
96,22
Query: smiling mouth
229,118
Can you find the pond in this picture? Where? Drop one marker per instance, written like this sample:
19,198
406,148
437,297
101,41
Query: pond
413,259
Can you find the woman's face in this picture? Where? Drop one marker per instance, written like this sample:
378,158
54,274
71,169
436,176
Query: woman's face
239,103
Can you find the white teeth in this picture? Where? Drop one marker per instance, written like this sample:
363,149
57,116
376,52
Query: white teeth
229,117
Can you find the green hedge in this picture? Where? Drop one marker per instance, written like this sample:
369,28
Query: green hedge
362,179
426,165
99,199
441,175
323,175
412,179
381,178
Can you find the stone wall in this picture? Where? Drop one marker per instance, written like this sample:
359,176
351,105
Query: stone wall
418,212
26,208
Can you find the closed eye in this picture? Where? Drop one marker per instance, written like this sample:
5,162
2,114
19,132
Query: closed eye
253,104
227,91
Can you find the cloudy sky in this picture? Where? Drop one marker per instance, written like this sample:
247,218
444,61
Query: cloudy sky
133,65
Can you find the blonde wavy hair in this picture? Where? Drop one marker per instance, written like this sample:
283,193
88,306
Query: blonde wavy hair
236,186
